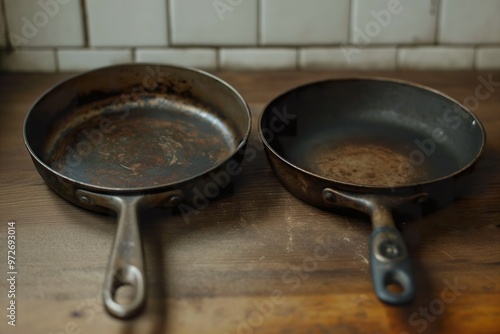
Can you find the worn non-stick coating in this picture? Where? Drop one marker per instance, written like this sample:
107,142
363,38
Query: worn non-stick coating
133,141
372,133
160,141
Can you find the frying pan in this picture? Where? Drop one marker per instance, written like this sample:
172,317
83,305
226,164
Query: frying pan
128,137
372,145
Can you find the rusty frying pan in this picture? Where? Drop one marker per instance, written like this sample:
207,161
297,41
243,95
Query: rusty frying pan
128,137
372,145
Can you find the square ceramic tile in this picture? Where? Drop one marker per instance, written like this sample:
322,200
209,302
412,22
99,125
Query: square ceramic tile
28,61
393,21
348,57
45,23
127,22
466,21
438,58
191,57
258,59
298,22
2,26
213,22
488,58
82,60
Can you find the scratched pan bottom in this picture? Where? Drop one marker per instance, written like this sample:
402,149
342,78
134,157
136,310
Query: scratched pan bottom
382,155
141,146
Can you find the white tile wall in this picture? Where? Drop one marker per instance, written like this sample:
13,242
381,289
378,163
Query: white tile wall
82,59
192,57
298,22
488,58
258,59
44,23
213,22
28,61
466,21
393,21
76,35
440,58
348,57
127,22
2,27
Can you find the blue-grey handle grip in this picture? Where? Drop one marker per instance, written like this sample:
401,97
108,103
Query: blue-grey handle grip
390,265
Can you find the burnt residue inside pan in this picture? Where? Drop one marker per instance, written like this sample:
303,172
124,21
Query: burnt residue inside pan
144,143
381,155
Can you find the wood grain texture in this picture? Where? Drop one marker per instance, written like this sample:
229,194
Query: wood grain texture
246,263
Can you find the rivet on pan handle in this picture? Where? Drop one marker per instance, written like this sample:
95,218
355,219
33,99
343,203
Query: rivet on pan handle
389,261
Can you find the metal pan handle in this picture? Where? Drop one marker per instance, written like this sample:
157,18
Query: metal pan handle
389,261
126,264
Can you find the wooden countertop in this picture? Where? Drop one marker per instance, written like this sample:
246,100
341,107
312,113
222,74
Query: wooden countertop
217,274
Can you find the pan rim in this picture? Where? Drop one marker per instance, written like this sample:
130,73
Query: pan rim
375,188
149,189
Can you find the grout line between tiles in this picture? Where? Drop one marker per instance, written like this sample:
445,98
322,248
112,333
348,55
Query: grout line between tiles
297,58
398,64
349,21
8,44
56,60
218,65
259,22
86,33
474,58
438,22
169,26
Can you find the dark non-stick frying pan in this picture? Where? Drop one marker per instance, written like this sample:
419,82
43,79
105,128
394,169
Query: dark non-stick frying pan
372,145
135,136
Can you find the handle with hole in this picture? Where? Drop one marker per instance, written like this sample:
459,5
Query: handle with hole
389,261
390,266
126,265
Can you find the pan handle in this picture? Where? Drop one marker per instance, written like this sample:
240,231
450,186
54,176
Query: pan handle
389,261
126,264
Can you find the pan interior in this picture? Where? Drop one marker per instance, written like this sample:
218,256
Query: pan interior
372,133
361,154
139,144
